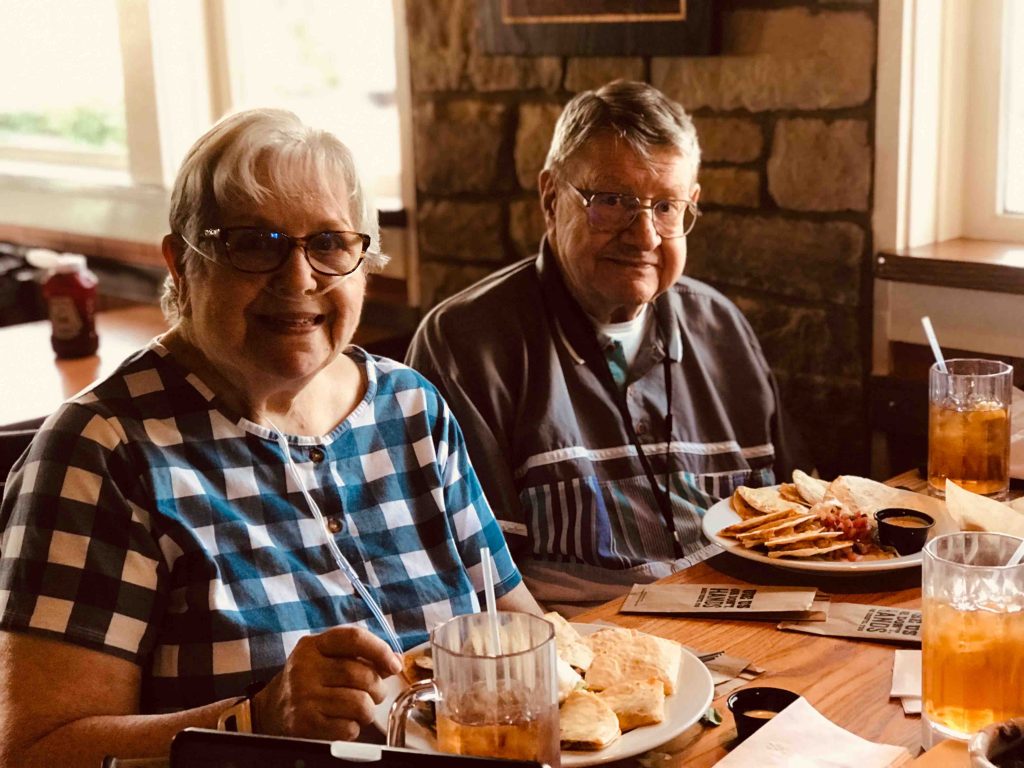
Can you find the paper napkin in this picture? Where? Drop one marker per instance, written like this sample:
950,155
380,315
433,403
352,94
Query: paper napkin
801,737
906,680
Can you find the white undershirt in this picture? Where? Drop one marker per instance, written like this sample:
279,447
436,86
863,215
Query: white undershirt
629,334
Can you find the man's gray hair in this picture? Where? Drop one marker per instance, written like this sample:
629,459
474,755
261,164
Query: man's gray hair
638,113
254,156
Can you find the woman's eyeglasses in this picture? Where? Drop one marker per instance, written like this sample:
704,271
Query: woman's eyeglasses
252,249
615,212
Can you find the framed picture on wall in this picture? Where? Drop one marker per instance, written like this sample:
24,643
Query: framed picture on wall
596,27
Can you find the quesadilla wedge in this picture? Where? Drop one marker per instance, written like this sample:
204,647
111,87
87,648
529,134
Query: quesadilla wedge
789,492
569,642
772,528
816,535
586,722
811,489
810,551
636,702
744,510
641,657
755,522
768,500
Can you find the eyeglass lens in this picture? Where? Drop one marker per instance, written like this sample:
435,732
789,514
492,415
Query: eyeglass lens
262,250
611,212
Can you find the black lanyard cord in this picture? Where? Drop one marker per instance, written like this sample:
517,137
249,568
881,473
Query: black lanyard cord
663,496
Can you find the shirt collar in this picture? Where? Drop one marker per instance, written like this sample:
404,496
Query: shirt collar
576,330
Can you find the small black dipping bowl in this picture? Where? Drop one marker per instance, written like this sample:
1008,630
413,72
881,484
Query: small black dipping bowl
905,529
753,707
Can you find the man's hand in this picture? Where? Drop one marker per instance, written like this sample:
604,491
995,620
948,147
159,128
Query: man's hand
328,687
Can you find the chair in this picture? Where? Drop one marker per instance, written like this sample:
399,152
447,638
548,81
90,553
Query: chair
14,439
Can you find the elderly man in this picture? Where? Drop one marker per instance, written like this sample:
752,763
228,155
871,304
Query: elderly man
606,400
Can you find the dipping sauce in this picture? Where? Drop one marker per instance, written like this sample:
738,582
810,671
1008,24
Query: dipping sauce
907,522
761,714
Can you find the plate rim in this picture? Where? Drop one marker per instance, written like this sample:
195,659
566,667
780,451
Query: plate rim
583,758
835,567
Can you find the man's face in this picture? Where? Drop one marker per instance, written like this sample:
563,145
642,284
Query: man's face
613,274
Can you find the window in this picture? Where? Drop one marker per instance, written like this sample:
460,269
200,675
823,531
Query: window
949,122
100,100
332,64
61,99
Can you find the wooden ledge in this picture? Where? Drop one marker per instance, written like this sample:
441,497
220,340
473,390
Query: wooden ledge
982,265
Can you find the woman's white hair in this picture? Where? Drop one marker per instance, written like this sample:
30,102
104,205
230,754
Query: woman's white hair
638,113
254,156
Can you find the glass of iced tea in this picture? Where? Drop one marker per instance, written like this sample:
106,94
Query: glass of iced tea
969,426
972,634
490,700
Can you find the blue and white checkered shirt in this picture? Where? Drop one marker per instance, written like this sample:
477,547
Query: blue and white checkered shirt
149,522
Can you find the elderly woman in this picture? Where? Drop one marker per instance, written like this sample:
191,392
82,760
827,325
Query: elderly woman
225,512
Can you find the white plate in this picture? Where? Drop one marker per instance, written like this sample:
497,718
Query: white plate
694,691
722,514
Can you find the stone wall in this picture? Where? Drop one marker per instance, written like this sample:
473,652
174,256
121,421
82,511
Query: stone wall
785,117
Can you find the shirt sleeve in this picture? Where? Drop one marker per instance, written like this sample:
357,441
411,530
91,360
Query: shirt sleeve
475,399
78,561
473,523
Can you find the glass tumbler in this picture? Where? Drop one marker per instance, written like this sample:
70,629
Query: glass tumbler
491,700
969,426
972,664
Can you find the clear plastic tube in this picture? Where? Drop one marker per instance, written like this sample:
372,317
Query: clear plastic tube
343,564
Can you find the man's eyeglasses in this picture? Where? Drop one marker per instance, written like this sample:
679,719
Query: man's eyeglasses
251,249
615,212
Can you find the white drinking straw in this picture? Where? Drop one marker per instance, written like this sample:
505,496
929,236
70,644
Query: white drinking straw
934,342
487,562
1017,556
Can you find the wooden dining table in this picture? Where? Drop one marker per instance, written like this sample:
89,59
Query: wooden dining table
33,381
847,681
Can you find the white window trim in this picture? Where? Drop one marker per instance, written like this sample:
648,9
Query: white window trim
937,127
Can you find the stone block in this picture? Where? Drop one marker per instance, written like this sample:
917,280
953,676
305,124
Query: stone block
818,262
533,137
788,58
460,230
526,226
820,166
728,139
591,72
439,32
459,146
439,280
514,73
805,339
738,187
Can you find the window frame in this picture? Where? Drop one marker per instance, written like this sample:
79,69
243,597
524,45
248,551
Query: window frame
938,138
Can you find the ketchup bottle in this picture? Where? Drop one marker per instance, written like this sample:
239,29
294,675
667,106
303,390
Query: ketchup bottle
70,293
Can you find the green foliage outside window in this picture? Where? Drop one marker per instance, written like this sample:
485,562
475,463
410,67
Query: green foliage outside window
90,126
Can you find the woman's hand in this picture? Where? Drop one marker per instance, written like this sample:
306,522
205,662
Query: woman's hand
328,687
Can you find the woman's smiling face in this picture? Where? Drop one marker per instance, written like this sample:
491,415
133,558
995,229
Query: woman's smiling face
281,328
